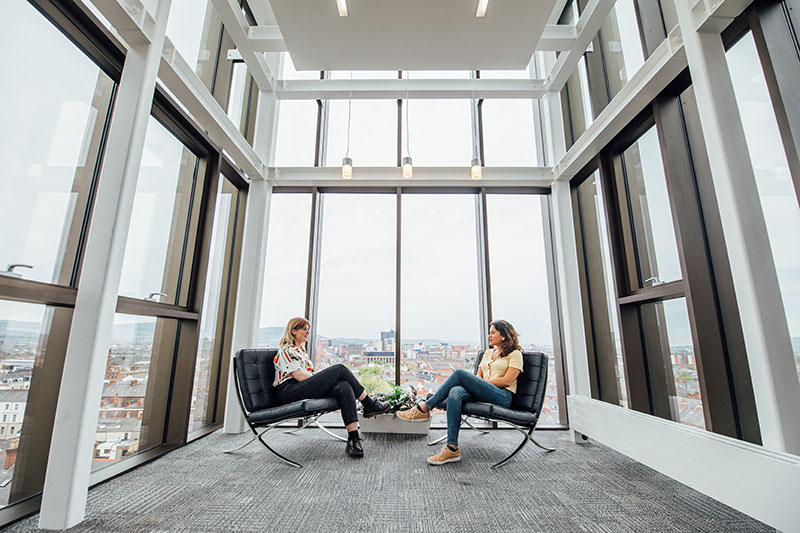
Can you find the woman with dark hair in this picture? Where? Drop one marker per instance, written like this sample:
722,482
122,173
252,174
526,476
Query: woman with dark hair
496,382
295,379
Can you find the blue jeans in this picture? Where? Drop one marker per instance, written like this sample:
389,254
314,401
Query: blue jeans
462,387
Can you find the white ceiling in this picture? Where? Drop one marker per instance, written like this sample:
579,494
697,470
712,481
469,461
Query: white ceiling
411,34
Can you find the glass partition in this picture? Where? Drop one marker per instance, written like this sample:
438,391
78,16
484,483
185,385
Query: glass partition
372,133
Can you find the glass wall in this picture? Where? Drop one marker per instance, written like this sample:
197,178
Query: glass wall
284,292
162,210
355,322
509,138
519,279
441,326
49,145
773,178
214,320
439,132
297,133
371,137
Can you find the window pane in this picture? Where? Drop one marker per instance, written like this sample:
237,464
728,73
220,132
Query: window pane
667,326
213,319
373,133
297,133
290,73
55,103
648,202
440,132
436,74
601,292
32,344
190,30
518,267
284,293
773,179
509,137
238,89
622,46
356,310
161,211
505,74
441,328
132,407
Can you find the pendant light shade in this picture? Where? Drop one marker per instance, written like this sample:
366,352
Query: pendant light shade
476,170
347,168
408,168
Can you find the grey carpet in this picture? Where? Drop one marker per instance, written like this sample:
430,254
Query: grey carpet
590,488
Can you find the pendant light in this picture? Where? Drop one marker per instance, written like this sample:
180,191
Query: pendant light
347,162
476,171
408,166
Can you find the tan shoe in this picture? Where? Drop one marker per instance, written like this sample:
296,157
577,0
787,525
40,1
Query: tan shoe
414,414
445,456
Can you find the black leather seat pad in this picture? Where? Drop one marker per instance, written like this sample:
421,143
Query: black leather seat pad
296,409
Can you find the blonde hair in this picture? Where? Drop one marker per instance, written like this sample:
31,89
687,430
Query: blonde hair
294,323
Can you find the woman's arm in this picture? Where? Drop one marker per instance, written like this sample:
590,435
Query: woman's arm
302,375
480,372
506,379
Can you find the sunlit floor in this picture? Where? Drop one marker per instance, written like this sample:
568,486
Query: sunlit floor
576,488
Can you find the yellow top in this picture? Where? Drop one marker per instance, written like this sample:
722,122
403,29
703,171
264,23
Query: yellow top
498,367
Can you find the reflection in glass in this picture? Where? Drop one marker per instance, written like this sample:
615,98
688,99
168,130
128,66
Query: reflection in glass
356,309
518,268
601,292
32,338
509,138
373,133
213,319
667,326
237,93
441,328
187,29
440,132
55,103
161,210
284,293
648,202
773,178
297,133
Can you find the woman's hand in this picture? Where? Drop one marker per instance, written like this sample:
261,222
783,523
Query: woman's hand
302,375
506,380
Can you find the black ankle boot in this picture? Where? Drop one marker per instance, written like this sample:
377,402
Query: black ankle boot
354,448
373,407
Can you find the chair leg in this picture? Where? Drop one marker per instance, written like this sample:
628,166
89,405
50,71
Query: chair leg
530,437
279,456
305,424
467,422
437,441
328,431
515,452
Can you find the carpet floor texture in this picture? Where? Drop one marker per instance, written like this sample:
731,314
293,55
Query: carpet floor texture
588,487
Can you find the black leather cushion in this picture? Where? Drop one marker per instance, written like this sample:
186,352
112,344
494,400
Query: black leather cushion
255,371
296,409
490,410
531,383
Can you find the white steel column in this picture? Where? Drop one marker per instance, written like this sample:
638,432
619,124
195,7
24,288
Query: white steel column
569,291
69,464
766,333
254,255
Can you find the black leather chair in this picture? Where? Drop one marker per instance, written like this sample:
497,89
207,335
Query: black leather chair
525,407
254,372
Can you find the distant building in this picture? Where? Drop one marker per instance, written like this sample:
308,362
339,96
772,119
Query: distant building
379,357
12,411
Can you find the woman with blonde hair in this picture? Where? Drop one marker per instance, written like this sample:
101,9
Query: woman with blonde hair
496,382
295,380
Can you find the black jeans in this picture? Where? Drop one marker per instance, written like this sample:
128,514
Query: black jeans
333,382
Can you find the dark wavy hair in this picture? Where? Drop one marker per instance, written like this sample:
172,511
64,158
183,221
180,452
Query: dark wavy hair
507,331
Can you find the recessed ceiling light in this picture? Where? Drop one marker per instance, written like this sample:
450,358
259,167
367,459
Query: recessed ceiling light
481,12
342,5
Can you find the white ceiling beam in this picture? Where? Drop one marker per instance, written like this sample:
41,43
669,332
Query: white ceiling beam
238,29
130,19
665,63
557,10
413,89
181,79
588,24
267,39
557,38
423,177
262,11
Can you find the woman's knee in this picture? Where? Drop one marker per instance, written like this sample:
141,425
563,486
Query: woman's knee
457,394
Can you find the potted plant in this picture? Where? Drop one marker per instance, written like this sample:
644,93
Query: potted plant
399,399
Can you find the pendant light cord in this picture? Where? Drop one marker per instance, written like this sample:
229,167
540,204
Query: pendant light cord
349,115
408,141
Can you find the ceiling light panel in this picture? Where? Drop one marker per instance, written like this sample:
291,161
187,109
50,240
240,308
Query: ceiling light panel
482,5
342,6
